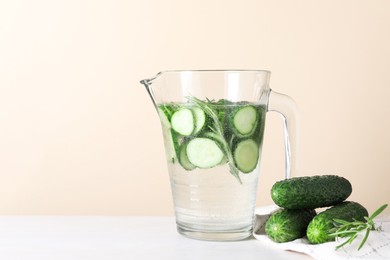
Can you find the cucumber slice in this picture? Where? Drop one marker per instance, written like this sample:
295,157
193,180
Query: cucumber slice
183,159
204,153
246,155
200,119
183,121
245,119
219,141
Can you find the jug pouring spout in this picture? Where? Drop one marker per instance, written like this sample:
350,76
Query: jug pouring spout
147,82
148,85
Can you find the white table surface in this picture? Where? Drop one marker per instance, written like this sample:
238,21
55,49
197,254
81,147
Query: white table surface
98,238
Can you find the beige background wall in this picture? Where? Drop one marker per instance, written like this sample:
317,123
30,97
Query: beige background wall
78,133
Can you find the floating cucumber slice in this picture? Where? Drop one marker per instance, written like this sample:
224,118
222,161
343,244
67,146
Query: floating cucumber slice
245,119
246,155
183,159
215,137
182,121
200,119
204,153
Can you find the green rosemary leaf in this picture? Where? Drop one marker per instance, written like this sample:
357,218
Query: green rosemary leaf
342,233
348,241
351,229
364,239
341,221
378,211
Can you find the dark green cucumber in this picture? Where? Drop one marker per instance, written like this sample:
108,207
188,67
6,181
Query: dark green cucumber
311,192
322,225
288,224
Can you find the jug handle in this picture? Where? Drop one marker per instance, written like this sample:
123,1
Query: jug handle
286,106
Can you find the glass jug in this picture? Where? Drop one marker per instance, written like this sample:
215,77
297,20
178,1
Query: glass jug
213,125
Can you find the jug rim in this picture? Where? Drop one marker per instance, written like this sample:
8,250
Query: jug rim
213,70
147,81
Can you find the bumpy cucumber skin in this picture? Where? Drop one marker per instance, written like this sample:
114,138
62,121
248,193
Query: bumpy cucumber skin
322,225
288,224
311,192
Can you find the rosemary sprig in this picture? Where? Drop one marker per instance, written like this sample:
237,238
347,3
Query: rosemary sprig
218,130
351,229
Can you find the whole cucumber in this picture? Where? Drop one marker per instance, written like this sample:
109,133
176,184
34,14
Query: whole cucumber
288,224
311,192
322,225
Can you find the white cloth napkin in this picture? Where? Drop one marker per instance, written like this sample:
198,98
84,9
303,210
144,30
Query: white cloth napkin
376,247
